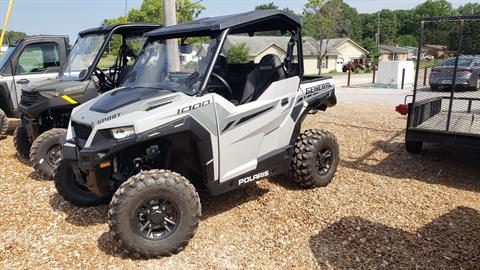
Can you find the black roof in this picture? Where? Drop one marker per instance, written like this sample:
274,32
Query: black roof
129,26
254,21
46,37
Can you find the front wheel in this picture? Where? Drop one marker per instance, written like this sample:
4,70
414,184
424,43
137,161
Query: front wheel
155,213
46,152
69,183
316,157
21,141
3,124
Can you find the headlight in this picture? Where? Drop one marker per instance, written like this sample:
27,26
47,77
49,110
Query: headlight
122,132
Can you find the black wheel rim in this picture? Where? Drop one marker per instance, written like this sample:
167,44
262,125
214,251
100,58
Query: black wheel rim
324,160
156,219
53,155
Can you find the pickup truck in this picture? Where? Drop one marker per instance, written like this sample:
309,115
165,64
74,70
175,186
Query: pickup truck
28,60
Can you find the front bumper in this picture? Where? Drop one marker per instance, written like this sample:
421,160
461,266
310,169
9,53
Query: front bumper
90,160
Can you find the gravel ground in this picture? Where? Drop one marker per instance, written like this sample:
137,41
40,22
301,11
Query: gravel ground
384,209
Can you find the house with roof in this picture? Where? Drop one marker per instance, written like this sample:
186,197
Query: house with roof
392,53
339,51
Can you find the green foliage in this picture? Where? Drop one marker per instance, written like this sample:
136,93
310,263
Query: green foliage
238,54
152,11
407,40
12,36
270,5
433,8
469,9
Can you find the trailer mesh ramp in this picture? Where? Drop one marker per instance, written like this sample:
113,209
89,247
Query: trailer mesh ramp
446,96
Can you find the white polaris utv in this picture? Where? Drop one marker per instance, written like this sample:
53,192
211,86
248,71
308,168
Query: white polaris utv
198,121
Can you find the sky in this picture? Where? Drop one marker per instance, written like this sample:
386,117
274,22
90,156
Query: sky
69,17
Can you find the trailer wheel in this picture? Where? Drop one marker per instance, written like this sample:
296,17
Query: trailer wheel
413,147
46,151
316,157
3,124
21,141
155,213
70,187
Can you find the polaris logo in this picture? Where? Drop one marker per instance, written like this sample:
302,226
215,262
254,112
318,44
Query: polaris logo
254,177
108,118
318,88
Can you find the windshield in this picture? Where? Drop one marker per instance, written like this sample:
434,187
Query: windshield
6,56
462,62
155,68
82,56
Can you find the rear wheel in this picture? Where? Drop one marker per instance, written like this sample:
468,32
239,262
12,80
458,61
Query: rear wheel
21,141
68,181
3,124
155,213
46,152
413,147
316,157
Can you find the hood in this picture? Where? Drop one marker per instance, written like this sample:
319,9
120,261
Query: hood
57,87
124,96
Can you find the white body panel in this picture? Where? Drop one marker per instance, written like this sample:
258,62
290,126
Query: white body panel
240,135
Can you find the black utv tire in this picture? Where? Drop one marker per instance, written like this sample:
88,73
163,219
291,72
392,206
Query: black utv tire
155,213
413,147
71,190
46,152
316,157
3,124
21,141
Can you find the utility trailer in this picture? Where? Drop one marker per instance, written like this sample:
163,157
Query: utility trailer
445,106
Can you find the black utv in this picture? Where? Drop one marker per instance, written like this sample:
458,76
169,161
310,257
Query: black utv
98,62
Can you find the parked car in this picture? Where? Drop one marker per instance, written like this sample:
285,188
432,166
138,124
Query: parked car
468,72
94,66
356,63
28,60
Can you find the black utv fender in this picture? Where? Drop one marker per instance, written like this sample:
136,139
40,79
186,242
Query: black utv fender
105,148
196,132
6,103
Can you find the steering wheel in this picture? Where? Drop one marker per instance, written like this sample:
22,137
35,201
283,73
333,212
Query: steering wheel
104,78
224,82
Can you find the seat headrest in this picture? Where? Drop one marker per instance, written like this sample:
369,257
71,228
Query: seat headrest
270,60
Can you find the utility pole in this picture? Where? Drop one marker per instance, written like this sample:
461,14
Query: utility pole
377,36
4,30
170,18
126,11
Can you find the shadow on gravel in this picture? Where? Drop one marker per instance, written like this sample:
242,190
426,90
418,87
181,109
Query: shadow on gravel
286,181
79,216
214,205
24,161
448,242
436,164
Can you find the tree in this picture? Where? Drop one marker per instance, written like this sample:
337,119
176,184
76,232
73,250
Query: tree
407,40
12,36
469,9
238,54
323,22
433,8
152,11
270,5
